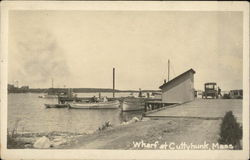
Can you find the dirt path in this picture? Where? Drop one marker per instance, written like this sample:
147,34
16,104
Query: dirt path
176,130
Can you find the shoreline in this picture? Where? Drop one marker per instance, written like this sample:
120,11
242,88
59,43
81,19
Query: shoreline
21,140
150,131
145,134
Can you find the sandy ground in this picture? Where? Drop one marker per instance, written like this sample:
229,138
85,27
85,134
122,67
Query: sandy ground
176,130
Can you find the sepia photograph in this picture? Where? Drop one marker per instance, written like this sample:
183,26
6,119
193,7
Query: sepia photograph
121,78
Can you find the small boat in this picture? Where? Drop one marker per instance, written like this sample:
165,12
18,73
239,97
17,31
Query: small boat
56,105
48,96
51,93
96,105
133,104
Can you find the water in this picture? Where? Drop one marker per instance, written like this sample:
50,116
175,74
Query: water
28,112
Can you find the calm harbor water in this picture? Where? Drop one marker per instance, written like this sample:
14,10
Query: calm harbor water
28,112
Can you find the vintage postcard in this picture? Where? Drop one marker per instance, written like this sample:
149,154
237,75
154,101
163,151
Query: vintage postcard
124,80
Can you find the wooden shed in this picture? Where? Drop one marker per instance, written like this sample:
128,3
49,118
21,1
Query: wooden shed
180,89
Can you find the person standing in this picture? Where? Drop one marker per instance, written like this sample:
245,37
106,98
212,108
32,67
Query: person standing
219,92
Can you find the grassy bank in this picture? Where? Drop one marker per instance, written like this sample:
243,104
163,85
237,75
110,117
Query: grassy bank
162,130
176,133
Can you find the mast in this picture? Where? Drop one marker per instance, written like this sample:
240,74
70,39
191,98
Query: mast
168,69
17,84
113,82
52,82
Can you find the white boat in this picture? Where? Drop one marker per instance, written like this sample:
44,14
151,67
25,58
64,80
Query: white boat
98,105
133,104
48,96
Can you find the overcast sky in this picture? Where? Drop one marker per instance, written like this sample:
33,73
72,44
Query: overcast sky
80,48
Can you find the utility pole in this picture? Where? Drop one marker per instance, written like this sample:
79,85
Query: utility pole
113,82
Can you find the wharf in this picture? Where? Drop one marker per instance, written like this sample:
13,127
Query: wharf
202,109
156,105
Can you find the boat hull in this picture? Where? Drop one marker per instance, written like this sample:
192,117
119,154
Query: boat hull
99,105
56,105
133,105
48,96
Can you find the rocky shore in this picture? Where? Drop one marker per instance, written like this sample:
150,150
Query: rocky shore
54,139
46,140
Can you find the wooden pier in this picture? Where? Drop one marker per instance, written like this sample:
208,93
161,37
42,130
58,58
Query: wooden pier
151,106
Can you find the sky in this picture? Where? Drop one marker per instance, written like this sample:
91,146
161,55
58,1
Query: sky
80,48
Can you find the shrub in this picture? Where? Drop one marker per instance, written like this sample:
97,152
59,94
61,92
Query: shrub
105,126
230,131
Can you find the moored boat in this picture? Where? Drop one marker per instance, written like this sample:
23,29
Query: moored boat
48,96
56,105
96,105
133,104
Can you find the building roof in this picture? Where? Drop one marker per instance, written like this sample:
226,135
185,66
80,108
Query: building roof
178,77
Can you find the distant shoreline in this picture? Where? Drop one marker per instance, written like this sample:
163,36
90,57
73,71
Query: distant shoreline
76,90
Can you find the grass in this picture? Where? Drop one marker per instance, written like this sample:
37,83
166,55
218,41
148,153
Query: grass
12,141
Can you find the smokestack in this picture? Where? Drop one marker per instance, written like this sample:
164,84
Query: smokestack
165,81
113,82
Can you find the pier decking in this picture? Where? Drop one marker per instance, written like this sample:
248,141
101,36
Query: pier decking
153,106
202,109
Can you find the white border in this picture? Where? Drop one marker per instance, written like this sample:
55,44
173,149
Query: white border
123,5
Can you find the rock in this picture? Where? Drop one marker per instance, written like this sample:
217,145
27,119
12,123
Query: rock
42,142
135,119
59,141
145,119
124,123
28,146
55,144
